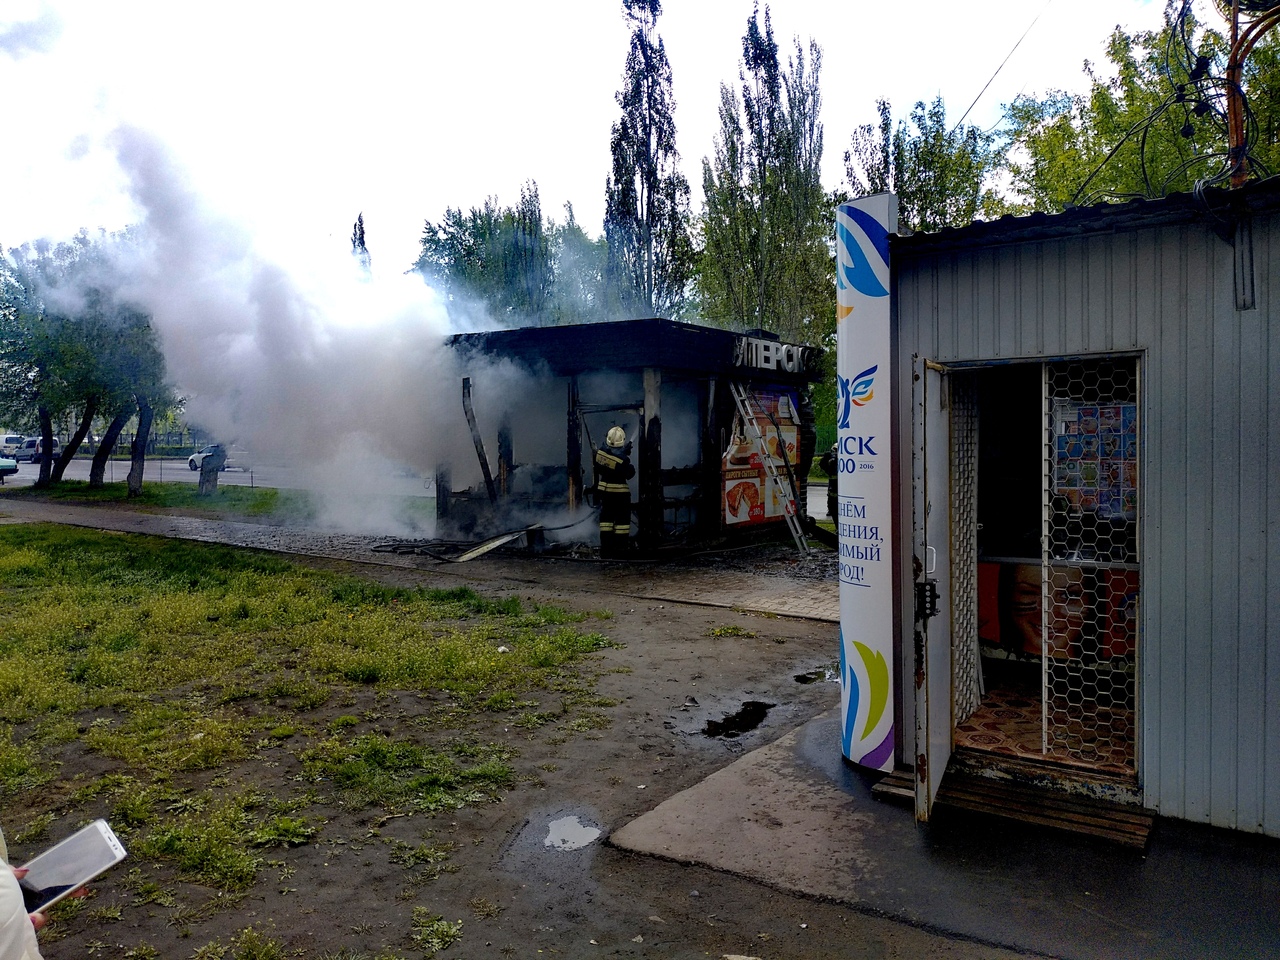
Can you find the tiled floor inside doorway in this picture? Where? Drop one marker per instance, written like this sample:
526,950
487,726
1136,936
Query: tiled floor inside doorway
1010,722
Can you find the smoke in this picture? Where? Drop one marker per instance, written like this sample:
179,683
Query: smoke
341,377
31,36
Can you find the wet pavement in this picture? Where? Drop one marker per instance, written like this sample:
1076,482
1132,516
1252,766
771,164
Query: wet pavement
792,815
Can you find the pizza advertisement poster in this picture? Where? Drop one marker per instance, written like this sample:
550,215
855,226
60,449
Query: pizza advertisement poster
1095,465
744,496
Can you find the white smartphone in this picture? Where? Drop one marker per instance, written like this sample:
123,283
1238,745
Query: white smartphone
69,865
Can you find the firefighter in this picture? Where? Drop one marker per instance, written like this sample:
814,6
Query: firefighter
613,470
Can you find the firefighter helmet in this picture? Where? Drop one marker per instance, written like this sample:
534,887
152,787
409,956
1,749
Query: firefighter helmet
616,437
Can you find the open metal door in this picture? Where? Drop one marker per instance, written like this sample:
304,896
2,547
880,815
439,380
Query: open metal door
931,535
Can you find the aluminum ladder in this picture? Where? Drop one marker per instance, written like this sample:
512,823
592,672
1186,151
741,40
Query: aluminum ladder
785,491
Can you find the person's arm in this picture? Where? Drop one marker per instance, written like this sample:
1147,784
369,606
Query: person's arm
17,927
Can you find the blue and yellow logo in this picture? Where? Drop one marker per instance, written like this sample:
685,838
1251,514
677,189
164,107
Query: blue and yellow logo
858,235
855,391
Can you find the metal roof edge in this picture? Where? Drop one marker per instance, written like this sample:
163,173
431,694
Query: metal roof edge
1219,208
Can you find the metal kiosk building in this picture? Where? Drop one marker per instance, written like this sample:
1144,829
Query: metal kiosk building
1087,469
679,391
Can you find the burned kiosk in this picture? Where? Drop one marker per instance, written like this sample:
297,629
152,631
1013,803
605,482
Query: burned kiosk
543,398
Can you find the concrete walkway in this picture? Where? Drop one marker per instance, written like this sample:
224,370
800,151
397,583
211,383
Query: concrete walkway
795,817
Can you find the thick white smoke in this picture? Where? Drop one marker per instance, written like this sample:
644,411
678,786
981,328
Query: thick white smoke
336,373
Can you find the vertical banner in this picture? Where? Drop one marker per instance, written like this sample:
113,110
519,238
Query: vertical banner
865,519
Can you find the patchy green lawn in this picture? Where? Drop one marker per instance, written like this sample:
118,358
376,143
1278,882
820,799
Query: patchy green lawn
220,707
229,500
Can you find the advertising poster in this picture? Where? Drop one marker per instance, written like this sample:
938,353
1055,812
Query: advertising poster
748,497
1096,458
864,524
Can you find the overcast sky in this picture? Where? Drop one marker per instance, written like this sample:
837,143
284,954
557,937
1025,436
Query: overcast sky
291,118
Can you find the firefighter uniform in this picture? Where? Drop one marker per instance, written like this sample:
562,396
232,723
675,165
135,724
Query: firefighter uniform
613,470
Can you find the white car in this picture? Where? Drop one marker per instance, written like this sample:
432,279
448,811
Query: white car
236,458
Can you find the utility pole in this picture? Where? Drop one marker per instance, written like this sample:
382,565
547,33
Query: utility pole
1242,44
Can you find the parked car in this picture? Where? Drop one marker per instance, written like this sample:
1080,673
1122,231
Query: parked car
8,468
197,459
31,449
237,459
9,444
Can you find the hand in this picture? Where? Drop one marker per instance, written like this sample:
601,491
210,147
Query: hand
38,920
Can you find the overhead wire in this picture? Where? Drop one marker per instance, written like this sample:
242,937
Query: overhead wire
1001,66
1202,92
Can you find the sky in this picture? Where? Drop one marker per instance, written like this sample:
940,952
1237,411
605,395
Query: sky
291,118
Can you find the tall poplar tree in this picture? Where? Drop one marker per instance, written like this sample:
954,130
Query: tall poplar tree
765,260
646,224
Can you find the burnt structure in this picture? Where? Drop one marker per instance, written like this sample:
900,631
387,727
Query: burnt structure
668,385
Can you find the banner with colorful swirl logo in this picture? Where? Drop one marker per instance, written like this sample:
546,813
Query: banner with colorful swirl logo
864,524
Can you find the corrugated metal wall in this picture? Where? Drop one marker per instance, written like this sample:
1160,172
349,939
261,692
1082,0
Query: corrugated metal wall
1209,677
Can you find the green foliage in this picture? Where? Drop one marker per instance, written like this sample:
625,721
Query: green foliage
944,175
210,845
766,260
499,256
226,501
646,224
72,345
282,832
375,769
431,933
1154,123
730,630
580,294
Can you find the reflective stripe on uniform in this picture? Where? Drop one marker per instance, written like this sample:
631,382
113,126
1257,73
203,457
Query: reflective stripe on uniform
605,487
607,459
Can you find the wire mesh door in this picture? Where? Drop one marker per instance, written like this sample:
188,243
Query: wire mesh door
966,687
1091,574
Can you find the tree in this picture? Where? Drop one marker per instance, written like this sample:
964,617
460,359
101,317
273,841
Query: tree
1158,125
943,176
766,260
646,225
498,256
579,264
70,345
358,248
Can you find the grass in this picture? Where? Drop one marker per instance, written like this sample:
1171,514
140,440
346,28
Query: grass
229,500
184,674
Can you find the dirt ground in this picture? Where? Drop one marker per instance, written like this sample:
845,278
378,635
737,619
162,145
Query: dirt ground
521,877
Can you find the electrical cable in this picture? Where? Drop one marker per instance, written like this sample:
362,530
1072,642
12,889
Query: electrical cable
1001,67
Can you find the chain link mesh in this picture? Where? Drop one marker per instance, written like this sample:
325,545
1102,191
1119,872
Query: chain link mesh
966,672
1091,563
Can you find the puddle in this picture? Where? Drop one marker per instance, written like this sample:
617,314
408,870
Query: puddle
569,833
816,676
748,718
